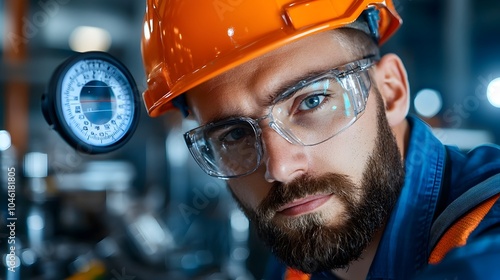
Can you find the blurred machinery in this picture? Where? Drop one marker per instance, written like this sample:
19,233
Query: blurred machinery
89,222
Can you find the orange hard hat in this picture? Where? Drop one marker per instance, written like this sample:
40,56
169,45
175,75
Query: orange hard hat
187,42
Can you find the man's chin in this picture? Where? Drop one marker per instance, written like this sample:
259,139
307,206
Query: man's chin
307,243
298,223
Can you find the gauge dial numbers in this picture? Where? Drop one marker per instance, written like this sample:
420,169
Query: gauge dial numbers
92,102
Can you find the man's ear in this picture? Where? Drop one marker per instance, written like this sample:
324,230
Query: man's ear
392,82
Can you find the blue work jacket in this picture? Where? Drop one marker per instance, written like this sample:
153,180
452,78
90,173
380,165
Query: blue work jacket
435,175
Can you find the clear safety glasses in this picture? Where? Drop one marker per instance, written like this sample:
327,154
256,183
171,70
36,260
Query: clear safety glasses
309,113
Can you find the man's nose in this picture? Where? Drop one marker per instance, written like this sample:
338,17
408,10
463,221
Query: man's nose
284,161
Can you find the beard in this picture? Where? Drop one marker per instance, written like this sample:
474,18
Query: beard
309,242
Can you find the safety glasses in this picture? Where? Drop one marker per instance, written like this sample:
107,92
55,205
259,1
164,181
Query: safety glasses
309,113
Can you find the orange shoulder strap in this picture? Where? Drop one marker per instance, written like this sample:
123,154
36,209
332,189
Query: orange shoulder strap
454,225
457,234
293,274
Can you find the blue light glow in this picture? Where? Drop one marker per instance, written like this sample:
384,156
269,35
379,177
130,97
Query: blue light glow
493,92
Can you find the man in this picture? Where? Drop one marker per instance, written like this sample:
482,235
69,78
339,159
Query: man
309,126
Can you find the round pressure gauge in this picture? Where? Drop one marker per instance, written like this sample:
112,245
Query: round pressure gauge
93,102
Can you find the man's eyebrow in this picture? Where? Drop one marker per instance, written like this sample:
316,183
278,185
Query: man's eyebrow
222,117
288,85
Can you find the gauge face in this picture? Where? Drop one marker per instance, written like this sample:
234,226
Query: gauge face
97,102
92,102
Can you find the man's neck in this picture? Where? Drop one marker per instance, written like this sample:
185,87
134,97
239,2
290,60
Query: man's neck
359,268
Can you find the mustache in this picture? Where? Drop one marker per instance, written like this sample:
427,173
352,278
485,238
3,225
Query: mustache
329,183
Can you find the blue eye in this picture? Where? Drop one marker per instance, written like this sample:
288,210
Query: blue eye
311,102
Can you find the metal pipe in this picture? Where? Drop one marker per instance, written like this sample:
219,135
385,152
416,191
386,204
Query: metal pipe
457,35
17,89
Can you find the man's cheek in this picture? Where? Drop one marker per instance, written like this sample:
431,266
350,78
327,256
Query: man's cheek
238,193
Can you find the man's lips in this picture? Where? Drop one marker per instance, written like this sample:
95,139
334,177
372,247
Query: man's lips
304,205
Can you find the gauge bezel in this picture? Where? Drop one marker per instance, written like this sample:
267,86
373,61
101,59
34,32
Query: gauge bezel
52,104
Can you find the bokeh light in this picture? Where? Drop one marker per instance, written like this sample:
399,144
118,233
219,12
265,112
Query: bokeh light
493,92
428,102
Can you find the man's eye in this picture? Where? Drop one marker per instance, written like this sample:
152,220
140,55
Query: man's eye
235,134
311,102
